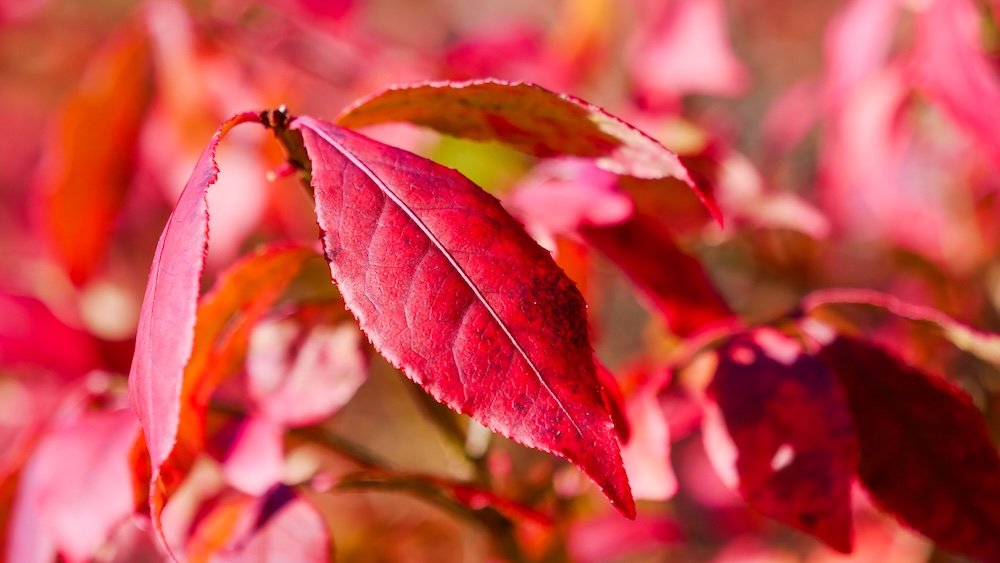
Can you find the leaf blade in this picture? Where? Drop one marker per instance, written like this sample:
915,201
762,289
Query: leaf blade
477,301
927,437
529,118
793,433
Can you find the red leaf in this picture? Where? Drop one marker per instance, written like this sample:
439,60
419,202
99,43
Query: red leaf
674,282
531,119
926,452
83,181
792,429
450,289
165,335
74,512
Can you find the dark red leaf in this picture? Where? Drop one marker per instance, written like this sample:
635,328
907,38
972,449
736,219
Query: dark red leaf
926,452
450,289
529,118
792,430
674,282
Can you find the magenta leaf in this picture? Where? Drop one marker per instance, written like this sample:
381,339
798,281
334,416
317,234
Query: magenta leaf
529,118
66,352
165,336
791,426
450,289
926,452
673,282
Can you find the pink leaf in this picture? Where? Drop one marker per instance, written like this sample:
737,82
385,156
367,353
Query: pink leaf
296,531
647,453
926,452
165,336
610,537
792,431
529,118
450,289
672,281
74,512
856,44
686,51
952,67
278,526
560,196
256,458
299,375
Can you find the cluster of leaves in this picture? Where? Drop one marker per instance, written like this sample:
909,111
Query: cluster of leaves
222,446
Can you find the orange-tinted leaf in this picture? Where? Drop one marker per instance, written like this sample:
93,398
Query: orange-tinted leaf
791,426
926,452
91,158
